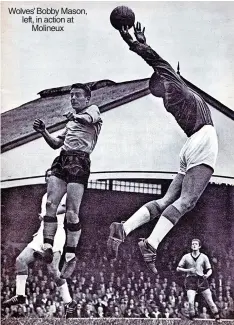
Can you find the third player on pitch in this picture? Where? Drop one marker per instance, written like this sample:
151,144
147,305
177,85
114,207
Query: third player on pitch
197,268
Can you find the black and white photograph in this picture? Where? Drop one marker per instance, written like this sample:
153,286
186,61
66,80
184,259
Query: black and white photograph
117,162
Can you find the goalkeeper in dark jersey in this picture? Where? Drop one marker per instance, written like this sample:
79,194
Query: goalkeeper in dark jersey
197,157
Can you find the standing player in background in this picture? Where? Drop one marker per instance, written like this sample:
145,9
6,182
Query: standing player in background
197,268
32,252
197,157
70,171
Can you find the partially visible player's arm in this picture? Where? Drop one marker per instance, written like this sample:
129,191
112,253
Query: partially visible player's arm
207,268
53,142
208,274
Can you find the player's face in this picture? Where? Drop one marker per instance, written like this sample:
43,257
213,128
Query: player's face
78,99
195,245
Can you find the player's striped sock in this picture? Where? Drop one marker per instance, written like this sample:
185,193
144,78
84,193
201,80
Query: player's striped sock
73,237
50,227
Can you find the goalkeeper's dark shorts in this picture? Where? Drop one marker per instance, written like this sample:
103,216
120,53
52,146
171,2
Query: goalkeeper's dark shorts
196,283
72,167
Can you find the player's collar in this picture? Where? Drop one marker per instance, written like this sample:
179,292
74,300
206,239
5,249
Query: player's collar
195,258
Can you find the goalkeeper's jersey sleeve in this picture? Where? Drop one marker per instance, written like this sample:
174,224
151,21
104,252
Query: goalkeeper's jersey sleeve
188,108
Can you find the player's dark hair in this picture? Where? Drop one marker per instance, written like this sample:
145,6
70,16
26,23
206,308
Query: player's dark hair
198,240
86,88
47,172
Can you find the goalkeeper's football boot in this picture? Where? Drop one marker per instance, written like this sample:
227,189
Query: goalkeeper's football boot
149,255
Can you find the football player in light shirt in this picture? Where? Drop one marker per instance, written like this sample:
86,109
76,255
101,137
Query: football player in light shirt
70,171
197,268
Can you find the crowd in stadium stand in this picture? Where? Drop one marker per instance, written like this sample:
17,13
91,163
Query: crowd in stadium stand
120,288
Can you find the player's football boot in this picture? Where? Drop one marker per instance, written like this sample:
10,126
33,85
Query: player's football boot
70,309
46,255
68,268
149,255
16,300
116,237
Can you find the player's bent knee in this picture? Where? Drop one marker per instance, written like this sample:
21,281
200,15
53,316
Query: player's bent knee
154,209
188,204
172,214
51,206
72,217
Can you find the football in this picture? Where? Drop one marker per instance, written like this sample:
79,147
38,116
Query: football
122,16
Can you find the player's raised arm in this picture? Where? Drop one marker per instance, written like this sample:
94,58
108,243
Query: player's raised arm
53,142
139,46
139,33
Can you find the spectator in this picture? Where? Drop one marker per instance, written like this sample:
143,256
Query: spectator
196,308
166,313
100,312
110,308
204,314
156,313
128,313
7,313
185,309
145,314
80,313
40,312
226,311
220,303
117,313
176,313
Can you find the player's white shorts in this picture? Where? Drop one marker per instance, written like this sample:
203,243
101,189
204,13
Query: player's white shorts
200,148
59,241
